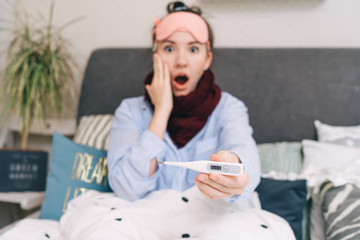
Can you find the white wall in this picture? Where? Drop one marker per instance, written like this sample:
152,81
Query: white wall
236,23
6,18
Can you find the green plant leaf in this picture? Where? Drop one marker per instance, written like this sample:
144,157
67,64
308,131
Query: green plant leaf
39,71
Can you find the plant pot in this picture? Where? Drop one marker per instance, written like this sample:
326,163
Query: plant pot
22,170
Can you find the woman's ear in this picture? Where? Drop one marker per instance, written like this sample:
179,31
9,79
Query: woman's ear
208,60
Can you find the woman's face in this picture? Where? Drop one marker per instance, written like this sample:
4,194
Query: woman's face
187,60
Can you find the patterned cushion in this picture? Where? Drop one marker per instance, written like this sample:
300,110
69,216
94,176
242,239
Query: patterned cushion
283,157
74,169
341,211
94,130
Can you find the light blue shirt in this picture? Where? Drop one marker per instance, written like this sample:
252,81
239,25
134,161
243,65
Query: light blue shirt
132,146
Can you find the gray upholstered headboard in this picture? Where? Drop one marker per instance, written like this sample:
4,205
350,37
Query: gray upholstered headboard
284,89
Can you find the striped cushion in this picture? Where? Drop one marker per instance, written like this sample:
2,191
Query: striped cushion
282,157
94,130
341,211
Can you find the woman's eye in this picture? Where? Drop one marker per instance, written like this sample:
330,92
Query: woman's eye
169,49
194,49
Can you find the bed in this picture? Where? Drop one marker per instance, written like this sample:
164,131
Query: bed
296,98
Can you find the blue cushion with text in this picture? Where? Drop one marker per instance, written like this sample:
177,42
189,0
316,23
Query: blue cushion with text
74,168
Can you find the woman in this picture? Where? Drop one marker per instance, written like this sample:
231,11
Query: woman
183,116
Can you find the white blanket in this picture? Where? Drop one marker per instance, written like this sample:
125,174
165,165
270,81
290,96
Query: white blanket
165,214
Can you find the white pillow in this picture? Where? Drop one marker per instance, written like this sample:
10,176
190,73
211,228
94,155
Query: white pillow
330,162
344,135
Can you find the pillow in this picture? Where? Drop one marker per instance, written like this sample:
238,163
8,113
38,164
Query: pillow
327,162
344,135
74,168
330,162
341,211
94,130
286,199
283,157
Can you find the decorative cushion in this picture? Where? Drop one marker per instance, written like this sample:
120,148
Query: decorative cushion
344,135
341,211
283,157
74,169
94,130
286,199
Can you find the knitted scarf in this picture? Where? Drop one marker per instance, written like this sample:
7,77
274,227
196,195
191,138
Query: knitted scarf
190,112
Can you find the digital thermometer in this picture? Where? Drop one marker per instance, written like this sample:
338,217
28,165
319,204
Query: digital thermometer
225,168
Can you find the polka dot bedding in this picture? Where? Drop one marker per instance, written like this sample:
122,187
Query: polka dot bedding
165,214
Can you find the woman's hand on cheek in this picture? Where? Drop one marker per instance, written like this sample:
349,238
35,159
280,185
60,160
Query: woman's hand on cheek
160,88
215,186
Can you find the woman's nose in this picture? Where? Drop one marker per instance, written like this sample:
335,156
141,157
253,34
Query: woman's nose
181,59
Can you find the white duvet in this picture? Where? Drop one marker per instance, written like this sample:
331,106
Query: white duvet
165,214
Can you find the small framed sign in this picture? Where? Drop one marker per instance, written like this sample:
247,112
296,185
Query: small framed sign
22,170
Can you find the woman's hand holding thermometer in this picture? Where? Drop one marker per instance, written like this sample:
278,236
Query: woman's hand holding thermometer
222,177
215,185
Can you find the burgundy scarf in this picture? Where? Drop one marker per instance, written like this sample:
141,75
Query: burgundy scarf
191,112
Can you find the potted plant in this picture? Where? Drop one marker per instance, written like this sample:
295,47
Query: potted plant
37,76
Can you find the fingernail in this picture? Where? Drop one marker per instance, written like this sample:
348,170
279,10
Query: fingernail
201,178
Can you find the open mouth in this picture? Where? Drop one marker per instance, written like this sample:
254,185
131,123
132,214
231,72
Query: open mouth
181,79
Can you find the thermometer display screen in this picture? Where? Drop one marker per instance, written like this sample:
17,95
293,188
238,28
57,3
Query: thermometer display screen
214,167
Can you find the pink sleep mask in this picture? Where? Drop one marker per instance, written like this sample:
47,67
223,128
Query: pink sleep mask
182,21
